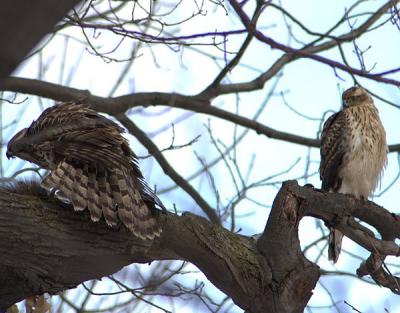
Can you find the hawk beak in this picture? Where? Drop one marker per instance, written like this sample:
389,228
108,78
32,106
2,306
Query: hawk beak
8,155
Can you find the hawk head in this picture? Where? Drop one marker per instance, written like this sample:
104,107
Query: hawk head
21,146
16,146
355,96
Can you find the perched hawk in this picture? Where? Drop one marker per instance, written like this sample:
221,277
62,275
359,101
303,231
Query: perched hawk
353,152
91,165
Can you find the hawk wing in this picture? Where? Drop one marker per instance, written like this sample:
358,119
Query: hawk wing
95,168
333,149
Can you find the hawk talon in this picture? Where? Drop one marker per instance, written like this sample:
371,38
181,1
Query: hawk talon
52,193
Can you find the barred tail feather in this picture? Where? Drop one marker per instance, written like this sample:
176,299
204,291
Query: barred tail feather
106,201
79,190
124,212
123,189
132,211
146,225
53,179
67,180
115,194
334,245
93,202
60,179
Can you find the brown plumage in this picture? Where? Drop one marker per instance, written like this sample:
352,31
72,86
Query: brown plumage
91,165
353,152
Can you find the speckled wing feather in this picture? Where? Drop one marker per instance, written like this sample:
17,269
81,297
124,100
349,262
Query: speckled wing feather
93,167
334,141
333,148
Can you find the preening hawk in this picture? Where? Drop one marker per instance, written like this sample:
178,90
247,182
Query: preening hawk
353,152
91,165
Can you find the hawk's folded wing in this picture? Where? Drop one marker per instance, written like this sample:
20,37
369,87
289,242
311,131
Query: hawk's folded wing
333,148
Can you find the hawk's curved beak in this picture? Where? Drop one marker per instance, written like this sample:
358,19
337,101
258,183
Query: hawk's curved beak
8,155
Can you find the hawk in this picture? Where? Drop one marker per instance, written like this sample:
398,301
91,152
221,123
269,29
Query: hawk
353,153
91,165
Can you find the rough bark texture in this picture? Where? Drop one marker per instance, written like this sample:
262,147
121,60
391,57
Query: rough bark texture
22,24
293,275
47,247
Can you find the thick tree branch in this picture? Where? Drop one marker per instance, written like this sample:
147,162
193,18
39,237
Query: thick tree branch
22,24
47,247
119,105
339,210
